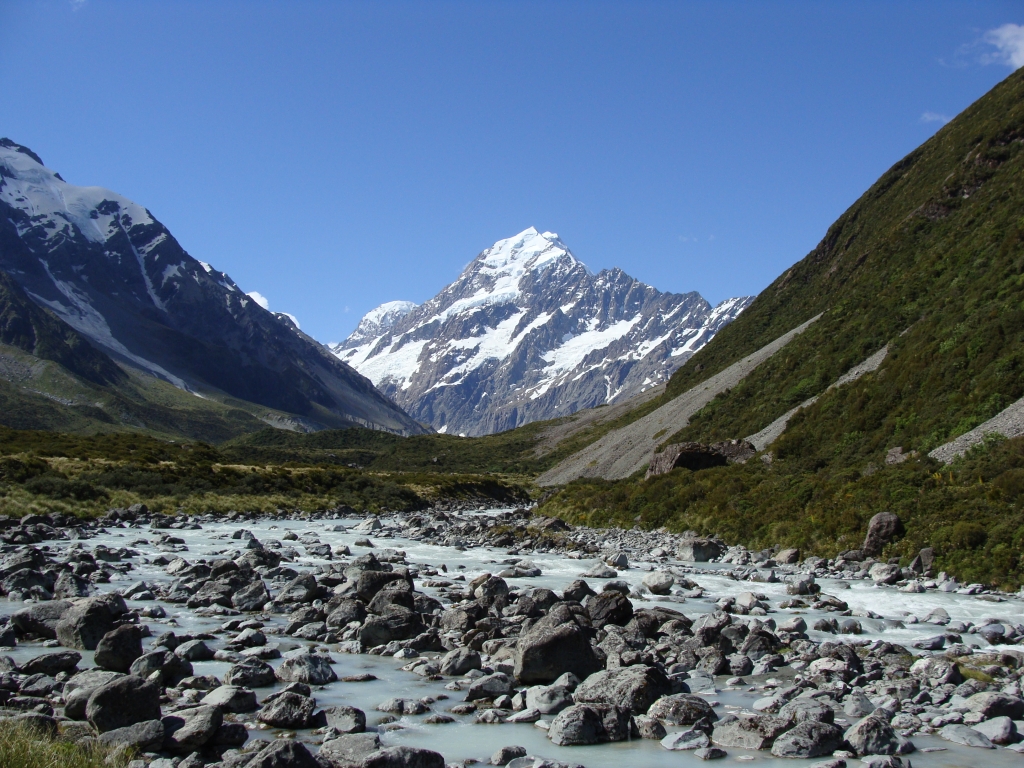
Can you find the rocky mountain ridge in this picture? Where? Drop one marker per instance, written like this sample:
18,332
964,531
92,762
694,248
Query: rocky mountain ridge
107,268
527,332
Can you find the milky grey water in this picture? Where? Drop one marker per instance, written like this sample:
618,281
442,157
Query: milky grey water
466,740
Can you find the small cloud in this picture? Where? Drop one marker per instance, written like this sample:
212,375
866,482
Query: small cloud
1008,41
347,309
935,117
260,299
711,238
76,4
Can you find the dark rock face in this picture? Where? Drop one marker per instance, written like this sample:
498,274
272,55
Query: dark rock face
283,753
52,663
636,688
251,673
808,739
545,652
569,339
591,724
118,648
758,732
698,456
85,623
123,702
251,597
172,668
289,710
872,736
146,736
308,668
41,619
682,709
610,607
403,757
345,719
883,529
117,276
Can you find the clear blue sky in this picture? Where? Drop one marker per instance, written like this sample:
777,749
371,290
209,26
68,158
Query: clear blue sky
335,155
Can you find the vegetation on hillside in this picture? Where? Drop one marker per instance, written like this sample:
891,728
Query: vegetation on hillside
930,261
54,472
23,746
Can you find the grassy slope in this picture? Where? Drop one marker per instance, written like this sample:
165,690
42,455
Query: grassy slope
935,248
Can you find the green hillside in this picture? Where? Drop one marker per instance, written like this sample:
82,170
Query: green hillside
929,260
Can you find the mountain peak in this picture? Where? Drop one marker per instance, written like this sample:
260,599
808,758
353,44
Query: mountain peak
6,143
528,251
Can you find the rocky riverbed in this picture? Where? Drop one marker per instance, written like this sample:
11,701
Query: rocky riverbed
455,636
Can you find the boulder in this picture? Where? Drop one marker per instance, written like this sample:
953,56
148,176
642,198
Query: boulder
757,732
345,719
288,710
123,701
700,549
609,607
251,597
872,736
194,650
403,757
187,731
302,589
304,667
460,661
346,612
51,663
283,753
172,669
805,709
685,740
590,724
884,573
118,648
882,529
490,687
963,734
69,585
999,730
231,698
996,704
787,557
86,622
506,755
636,688
682,709
548,699
41,619
78,689
545,652
659,582
147,736
251,673
810,738
349,750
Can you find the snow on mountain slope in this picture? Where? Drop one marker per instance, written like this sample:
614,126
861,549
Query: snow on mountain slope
114,273
527,332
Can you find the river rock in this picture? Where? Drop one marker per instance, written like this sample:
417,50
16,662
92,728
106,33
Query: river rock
682,709
996,704
288,710
78,689
345,719
805,709
51,663
810,738
87,621
490,687
884,573
872,736
460,661
304,667
403,757
963,734
883,529
548,699
251,673
41,619
659,582
758,732
283,753
349,750
118,648
544,652
187,731
636,688
123,701
609,607
999,730
686,740
232,698
505,755
700,550
147,736
251,597
172,669
302,589
590,724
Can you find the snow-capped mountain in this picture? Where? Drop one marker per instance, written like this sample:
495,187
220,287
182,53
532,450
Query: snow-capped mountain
527,332
109,269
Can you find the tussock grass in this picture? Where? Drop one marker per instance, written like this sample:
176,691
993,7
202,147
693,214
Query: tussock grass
23,746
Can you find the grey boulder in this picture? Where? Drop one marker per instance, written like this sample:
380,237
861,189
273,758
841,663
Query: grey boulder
123,701
810,738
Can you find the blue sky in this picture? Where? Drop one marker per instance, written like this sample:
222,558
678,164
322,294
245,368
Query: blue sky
333,156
